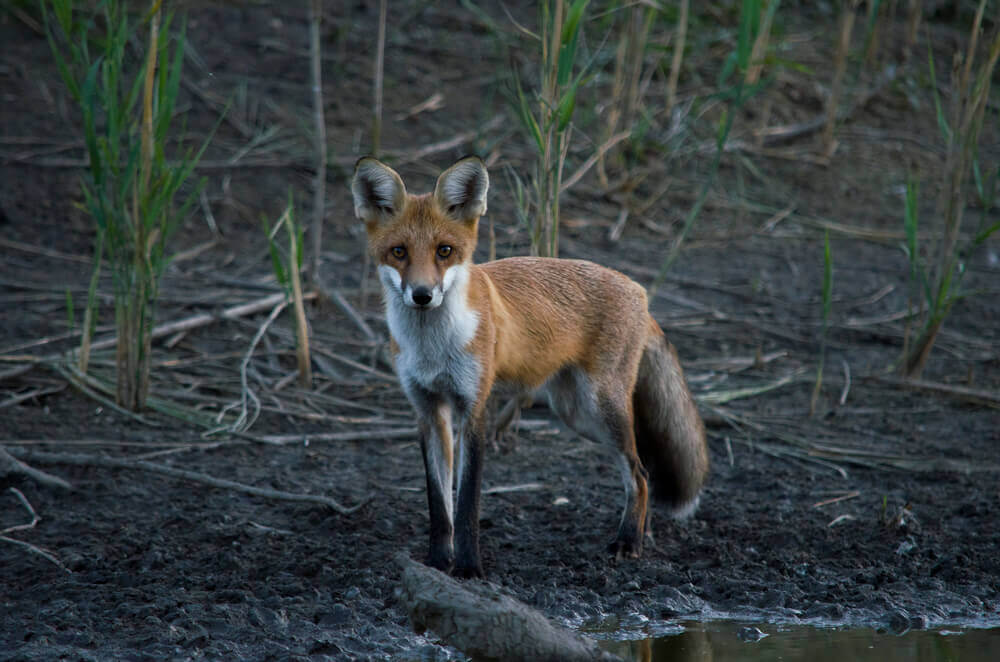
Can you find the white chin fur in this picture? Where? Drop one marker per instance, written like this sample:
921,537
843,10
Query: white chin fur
392,281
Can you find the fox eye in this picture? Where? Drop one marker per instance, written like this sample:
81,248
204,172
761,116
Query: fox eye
398,252
444,250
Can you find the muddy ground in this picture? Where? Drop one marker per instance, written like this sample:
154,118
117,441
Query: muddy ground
880,509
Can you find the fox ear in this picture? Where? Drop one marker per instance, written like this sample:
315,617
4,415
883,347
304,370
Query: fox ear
378,191
461,189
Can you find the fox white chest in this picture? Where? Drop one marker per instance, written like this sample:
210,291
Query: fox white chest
432,356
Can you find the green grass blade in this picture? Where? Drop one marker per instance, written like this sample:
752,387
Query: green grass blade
827,279
528,119
567,104
942,121
910,226
89,106
569,38
571,25
985,234
169,86
70,312
749,22
277,265
728,67
293,229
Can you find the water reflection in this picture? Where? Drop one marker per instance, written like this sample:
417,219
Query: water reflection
726,642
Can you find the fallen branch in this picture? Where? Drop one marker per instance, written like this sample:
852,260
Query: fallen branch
484,623
72,374
35,393
80,459
355,435
974,395
16,371
31,511
721,397
507,489
837,499
204,319
162,330
594,158
10,464
349,310
30,525
451,143
354,364
773,135
36,550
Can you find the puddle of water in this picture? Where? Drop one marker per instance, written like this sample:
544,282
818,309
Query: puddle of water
726,641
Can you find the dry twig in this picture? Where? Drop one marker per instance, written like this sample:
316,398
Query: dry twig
973,395
839,68
79,459
379,72
837,499
245,420
35,519
352,314
678,56
10,464
847,382
356,435
319,123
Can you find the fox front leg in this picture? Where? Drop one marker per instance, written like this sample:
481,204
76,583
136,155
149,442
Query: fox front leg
436,443
471,447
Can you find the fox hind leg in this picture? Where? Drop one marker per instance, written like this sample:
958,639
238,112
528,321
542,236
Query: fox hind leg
605,415
635,479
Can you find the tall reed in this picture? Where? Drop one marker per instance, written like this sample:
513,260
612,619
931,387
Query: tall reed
319,124
130,186
383,10
734,90
845,27
287,272
827,301
550,127
960,127
680,37
625,103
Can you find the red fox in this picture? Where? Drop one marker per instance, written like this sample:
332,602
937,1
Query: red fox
575,331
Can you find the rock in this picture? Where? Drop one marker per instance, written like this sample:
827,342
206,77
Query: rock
479,620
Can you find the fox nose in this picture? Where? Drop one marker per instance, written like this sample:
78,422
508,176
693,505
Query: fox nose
421,296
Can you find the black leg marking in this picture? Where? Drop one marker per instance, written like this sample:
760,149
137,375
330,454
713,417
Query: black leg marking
441,552
472,446
628,542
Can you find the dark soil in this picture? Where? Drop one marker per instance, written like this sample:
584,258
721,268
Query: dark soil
157,567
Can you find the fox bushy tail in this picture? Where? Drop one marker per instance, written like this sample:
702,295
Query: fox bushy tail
669,433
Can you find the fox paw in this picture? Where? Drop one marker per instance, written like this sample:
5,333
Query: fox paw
625,549
468,572
441,562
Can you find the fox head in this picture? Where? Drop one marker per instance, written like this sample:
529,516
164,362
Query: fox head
422,244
